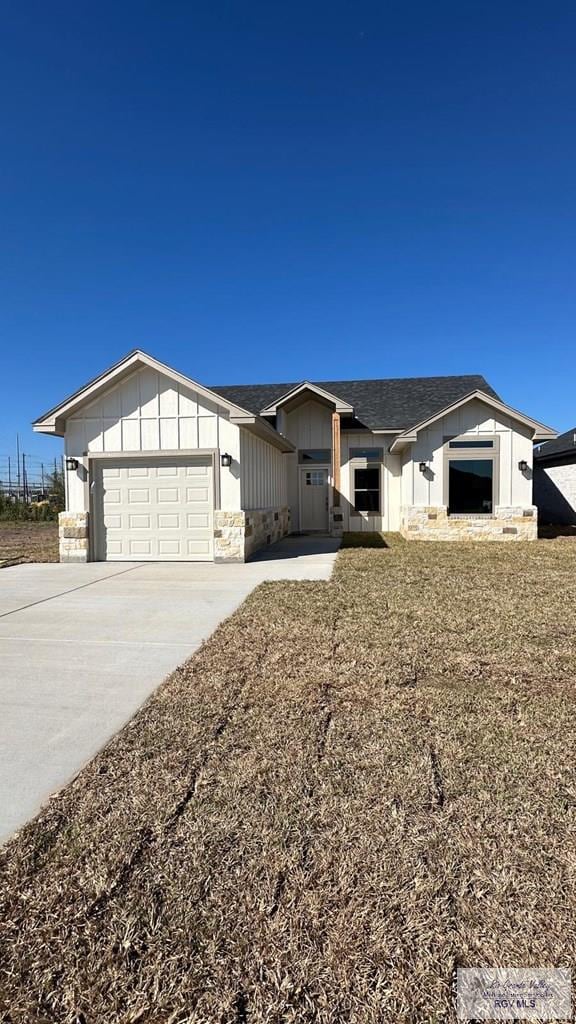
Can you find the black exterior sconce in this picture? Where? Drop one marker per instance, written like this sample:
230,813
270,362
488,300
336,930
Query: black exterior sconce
225,460
423,467
522,465
71,465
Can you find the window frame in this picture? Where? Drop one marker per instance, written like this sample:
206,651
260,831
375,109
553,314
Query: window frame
472,454
357,462
324,461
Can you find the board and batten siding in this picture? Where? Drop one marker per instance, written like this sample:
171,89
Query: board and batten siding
263,474
308,426
150,412
390,473
515,444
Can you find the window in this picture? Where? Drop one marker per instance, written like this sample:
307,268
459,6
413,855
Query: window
370,454
314,455
471,484
315,478
471,475
471,444
367,490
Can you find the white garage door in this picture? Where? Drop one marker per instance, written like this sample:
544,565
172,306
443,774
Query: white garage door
154,509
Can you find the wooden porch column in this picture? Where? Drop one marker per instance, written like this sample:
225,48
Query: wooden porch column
336,459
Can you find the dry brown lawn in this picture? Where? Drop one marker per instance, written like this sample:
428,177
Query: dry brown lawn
351,789
28,542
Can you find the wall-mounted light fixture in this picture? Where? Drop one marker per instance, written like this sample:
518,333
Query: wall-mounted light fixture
522,465
423,466
225,460
71,465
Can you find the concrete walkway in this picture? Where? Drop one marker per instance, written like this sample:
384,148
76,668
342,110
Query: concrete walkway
82,646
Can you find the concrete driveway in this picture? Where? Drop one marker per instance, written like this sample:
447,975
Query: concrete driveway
82,646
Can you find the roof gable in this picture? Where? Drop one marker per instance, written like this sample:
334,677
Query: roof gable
52,422
387,404
306,388
539,430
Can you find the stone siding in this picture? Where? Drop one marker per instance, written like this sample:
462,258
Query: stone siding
433,523
555,492
73,536
336,521
238,534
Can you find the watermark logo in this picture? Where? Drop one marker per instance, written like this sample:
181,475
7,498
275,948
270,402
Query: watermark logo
513,993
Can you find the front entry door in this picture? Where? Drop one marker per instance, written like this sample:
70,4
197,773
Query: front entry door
314,499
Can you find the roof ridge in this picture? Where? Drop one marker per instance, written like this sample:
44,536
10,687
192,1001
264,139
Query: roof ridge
352,380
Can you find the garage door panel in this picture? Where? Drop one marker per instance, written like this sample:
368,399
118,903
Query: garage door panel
154,522
198,547
140,496
171,520
139,522
169,494
197,520
197,495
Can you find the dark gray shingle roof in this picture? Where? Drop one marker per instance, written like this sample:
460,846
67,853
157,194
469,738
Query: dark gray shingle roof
396,403
560,446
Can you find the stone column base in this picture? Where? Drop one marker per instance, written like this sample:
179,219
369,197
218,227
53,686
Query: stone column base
73,536
238,534
433,523
336,522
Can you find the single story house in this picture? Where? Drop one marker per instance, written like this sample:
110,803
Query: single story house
555,479
159,467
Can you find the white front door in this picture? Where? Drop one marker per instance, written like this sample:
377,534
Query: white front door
314,499
154,509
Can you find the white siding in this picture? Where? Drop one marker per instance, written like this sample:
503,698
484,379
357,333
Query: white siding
309,426
515,443
389,519
263,473
150,412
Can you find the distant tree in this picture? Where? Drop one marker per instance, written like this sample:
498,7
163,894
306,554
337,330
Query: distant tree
56,490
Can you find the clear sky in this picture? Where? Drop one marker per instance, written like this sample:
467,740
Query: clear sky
265,191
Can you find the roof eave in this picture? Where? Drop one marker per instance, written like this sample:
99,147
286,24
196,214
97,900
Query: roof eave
541,431
260,428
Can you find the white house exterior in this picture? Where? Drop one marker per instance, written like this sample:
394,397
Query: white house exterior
160,467
555,479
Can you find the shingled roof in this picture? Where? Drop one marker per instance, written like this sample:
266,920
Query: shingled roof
565,444
390,404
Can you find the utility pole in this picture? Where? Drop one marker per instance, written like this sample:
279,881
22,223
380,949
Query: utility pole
24,477
9,479
18,465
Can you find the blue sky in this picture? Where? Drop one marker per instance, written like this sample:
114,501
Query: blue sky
263,191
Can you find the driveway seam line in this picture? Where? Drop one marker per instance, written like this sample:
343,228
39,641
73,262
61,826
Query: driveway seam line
83,586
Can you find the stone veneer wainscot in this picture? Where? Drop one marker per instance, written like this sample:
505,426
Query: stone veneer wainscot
434,523
238,534
73,536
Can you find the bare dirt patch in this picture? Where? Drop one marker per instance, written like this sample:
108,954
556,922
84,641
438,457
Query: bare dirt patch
353,788
28,542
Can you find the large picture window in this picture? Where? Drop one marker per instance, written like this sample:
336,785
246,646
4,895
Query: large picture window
471,486
471,475
367,489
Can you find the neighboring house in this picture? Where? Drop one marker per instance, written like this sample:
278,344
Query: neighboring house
160,467
555,479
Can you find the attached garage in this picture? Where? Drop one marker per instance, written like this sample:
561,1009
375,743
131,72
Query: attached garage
160,468
153,509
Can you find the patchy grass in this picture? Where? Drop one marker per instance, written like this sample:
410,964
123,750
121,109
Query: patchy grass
28,542
351,789
364,540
